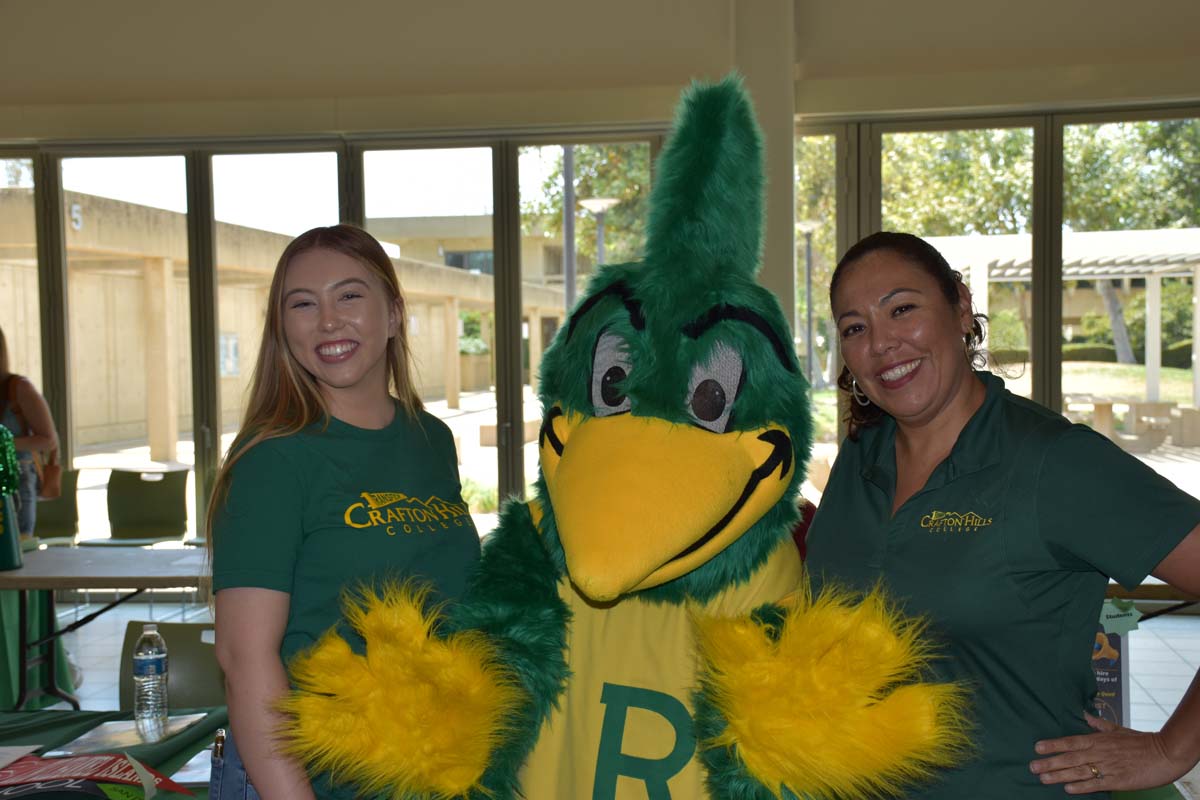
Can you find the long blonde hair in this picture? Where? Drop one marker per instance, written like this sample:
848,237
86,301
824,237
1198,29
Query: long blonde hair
284,398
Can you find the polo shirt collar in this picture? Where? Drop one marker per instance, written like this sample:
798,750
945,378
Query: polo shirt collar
982,438
978,445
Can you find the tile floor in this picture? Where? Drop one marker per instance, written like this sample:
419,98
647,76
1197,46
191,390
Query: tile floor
96,647
1164,655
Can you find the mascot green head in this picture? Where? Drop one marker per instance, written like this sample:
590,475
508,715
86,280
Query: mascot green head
676,420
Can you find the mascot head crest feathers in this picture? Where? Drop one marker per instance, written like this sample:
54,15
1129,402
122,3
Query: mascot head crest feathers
675,417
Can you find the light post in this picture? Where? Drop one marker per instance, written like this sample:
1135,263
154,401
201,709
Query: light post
568,207
807,227
599,206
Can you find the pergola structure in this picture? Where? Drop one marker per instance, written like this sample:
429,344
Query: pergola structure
1088,256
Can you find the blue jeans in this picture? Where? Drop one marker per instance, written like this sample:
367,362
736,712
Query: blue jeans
228,779
27,496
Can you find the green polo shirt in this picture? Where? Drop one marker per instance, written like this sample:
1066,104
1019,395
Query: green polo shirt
1007,551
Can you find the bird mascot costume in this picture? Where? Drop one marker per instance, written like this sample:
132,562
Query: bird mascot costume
641,628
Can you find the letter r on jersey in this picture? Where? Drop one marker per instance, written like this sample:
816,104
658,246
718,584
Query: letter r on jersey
611,763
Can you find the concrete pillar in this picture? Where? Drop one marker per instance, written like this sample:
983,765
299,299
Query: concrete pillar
1195,335
535,347
162,369
977,281
1153,355
452,365
763,51
487,332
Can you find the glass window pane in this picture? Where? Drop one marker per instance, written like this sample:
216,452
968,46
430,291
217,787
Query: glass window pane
129,365
1131,254
816,256
432,209
610,184
261,201
20,311
969,193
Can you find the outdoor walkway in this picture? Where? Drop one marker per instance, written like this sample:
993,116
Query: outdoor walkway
476,462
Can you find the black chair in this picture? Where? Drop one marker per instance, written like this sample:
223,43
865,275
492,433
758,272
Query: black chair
58,519
145,508
194,679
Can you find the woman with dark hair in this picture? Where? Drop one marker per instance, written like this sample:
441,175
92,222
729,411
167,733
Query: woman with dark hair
337,480
1001,523
24,412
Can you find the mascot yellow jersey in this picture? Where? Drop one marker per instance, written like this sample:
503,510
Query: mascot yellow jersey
640,628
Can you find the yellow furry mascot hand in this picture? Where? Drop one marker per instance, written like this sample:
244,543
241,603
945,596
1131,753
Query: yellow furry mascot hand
417,715
823,700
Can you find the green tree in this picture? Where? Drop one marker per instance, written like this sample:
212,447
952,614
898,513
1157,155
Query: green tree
18,172
1131,175
620,170
949,183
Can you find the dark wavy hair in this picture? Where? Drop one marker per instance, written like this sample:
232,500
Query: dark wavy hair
916,251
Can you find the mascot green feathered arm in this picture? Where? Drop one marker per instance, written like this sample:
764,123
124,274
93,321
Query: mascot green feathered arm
641,628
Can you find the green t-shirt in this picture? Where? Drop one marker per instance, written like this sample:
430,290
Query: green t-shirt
323,511
327,510
1007,551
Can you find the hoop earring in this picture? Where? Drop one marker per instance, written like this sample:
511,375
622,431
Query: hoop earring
858,394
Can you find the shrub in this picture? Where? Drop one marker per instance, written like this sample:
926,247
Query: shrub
1008,355
472,346
1005,331
1089,352
1178,355
480,499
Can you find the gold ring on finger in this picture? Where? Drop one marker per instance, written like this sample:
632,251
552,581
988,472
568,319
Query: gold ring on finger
1096,773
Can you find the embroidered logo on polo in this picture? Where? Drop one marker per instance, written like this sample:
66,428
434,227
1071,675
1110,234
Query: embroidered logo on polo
397,512
954,521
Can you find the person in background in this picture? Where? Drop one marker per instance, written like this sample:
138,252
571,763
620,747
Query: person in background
1001,523
315,497
24,412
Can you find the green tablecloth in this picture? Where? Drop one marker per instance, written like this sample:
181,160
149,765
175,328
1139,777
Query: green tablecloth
9,660
54,728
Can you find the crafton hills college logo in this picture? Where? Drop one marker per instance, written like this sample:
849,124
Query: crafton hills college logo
954,522
397,512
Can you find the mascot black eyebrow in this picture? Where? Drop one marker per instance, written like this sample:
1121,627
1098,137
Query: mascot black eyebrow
641,628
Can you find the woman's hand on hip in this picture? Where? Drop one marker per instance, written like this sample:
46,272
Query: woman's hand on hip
1113,758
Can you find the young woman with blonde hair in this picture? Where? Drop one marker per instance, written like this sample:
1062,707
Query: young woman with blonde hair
338,478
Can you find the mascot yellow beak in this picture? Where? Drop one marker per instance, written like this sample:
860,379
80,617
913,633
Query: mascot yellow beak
640,501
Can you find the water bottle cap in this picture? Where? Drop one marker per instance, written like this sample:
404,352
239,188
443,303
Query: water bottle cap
150,627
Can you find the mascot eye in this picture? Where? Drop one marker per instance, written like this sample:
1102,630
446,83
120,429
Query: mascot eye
610,369
708,401
713,388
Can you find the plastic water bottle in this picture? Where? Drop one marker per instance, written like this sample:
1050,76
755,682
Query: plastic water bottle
150,684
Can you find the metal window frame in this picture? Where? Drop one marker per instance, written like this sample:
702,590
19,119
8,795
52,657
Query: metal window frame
859,213
506,249
846,159
864,209
47,157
